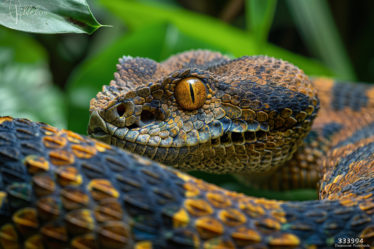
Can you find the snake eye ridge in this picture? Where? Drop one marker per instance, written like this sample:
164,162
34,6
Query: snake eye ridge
190,93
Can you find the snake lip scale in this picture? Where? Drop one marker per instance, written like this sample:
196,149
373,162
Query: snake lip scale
258,117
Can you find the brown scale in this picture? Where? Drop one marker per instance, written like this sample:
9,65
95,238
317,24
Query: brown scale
78,219
233,220
193,104
221,219
304,169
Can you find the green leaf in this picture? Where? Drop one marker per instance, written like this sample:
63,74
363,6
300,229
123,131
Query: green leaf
157,41
209,30
52,16
26,92
259,16
317,26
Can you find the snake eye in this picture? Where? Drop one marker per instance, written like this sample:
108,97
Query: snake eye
190,93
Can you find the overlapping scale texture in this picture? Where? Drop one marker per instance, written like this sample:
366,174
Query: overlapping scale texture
62,190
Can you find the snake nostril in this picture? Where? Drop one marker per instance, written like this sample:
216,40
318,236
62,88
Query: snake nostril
121,109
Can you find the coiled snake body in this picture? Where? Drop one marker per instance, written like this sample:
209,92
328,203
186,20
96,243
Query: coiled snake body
251,116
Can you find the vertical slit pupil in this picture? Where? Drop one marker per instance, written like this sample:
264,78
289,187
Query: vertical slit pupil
192,93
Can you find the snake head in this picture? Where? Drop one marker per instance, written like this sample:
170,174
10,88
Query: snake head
202,110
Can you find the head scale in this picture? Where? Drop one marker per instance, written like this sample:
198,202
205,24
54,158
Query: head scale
202,110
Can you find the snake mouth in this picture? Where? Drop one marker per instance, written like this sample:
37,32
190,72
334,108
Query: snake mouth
99,129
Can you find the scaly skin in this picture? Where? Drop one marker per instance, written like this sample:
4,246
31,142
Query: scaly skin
256,113
63,190
345,116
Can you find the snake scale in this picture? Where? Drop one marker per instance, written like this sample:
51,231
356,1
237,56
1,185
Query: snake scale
258,117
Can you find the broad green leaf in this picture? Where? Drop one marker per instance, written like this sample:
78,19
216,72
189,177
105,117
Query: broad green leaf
26,92
320,34
157,42
52,16
209,30
259,16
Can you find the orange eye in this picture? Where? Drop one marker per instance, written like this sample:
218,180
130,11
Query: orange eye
190,93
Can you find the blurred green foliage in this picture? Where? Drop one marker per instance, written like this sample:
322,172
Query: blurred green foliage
317,26
23,47
26,92
155,29
259,16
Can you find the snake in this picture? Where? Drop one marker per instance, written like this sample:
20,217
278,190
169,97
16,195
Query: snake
257,117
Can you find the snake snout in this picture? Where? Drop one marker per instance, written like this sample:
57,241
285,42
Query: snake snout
99,129
131,116
115,122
